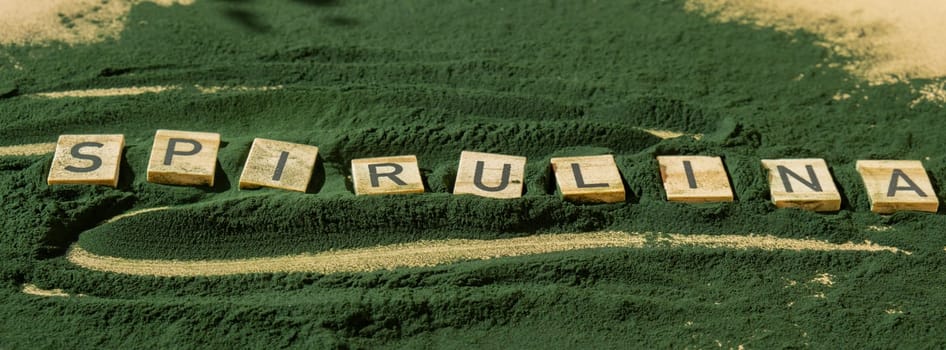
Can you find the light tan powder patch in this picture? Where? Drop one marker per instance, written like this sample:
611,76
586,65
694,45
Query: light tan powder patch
774,243
432,253
824,279
934,92
33,149
667,134
67,21
140,90
32,289
133,213
109,92
238,88
890,40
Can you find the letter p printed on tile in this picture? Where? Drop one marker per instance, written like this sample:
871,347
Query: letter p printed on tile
183,158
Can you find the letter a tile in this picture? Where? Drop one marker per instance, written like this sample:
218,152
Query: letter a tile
802,183
279,164
87,159
695,179
386,175
490,175
895,185
592,179
183,158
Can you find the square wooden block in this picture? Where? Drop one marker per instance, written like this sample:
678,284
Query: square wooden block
278,164
695,179
802,183
87,159
386,175
183,158
591,179
490,175
895,185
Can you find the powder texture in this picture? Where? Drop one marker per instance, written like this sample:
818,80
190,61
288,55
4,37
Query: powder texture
540,79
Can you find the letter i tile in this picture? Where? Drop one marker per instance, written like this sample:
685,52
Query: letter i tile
278,164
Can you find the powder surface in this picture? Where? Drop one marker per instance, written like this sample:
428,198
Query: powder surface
432,78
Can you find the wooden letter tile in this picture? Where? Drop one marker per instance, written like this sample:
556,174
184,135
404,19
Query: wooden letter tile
802,183
87,159
895,185
695,179
490,175
279,164
386,175
183,158
592,179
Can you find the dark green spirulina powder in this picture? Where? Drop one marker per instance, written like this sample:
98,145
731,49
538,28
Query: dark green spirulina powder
431,78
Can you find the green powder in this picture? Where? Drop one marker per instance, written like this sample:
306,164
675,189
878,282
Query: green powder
539,79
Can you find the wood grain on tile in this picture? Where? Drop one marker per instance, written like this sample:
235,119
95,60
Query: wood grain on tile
896,185
802,183
278,164
87,159
183,158
386,175
490,175
590,179
695,179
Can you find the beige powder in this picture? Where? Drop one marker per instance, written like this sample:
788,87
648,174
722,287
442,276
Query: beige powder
110,92
32,149
32,289
69,21
431,253
890,40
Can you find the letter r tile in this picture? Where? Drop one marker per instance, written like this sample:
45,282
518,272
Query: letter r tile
896,185
802,183
183,158
490,175
279,164
592,179
695,179
86,159
386,175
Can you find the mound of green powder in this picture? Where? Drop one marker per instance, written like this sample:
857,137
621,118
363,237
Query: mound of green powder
539,79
